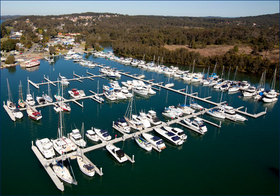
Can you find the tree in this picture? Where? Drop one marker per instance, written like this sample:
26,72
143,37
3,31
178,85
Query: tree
10,60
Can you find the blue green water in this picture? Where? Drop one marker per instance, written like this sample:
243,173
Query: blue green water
237,159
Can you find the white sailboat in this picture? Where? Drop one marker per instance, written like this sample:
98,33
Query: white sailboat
11,106
137,125
10,103
271,95
62,172
85,165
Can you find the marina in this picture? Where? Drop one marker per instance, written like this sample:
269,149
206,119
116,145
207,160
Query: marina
121,137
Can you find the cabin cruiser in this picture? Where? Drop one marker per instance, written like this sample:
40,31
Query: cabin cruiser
215,112
103,134
177,111
17,113
46,147
126,92
119,155
231,114
57,108
76,137
92,135
140,91
155,141
186,109
169,113
110,95
143,143
143,118
122,124
33,113
233,89
135,124
249,92
170,136
196,106
270,96
196,124
244,85
64,106
176,131
63,145
64,81
40,100
86,167
47,98
29,100
62,172
152,117
76,93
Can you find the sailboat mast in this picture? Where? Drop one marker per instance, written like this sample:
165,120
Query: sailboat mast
9,91
193,66
185,102
214,71
208,71
229,72
20,90
49,90
28,88
274,79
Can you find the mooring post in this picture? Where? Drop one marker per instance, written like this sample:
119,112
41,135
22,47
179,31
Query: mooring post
133,158
101,172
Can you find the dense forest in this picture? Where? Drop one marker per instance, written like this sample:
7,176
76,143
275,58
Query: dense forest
138,35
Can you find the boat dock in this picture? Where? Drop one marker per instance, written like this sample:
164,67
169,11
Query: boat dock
194,95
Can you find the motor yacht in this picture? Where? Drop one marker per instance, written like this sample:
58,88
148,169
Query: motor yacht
76,137
117,153
215,112
155,141
92,135
176,131
143,143
103,134
196,124
170,136
46,147
122,124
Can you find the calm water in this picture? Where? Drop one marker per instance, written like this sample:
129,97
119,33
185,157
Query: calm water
239,158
